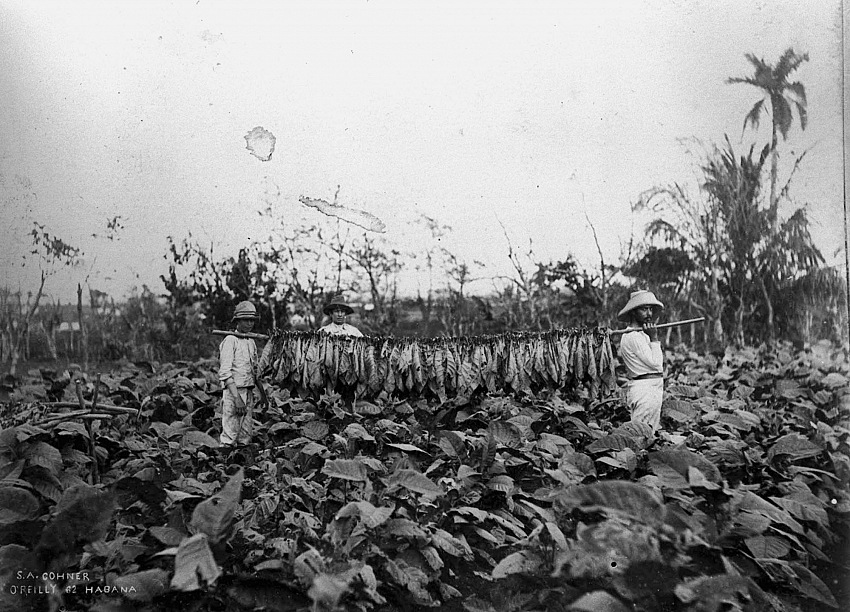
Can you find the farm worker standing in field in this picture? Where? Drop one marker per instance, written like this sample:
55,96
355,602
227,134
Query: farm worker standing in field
640,352
337,310
238,360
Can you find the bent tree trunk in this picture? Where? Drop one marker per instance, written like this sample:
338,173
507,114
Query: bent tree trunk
84,341
50,335
739,320
718,339
774,163
25,327
715,336
768,304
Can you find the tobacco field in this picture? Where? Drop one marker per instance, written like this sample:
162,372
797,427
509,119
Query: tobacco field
115,496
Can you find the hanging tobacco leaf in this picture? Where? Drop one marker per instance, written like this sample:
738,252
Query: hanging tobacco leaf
445,367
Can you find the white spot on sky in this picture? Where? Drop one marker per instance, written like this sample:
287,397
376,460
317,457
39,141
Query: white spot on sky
260,143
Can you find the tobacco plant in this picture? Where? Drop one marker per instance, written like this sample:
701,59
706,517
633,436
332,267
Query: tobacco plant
544,499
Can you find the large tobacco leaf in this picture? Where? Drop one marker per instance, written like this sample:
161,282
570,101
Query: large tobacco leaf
143,586
680,461
17,505
722,592
194,565
85,519
346,469
215,516
415,481
794,446
615,496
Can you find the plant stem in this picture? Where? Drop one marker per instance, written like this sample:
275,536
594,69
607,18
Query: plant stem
95,476
102,407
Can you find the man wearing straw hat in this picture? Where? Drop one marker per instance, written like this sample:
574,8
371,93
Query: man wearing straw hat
337,310
237,363
641,354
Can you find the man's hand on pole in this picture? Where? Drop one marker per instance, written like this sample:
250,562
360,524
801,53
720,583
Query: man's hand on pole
651,330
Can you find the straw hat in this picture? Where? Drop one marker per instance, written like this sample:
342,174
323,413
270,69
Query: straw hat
245,310
638,299
338,301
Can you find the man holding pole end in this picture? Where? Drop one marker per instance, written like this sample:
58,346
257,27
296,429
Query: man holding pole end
238,358
641,354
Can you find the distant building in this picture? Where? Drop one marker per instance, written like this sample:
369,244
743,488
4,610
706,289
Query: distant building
68,327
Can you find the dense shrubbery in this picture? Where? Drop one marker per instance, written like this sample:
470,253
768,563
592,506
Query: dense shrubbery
785,292
538,502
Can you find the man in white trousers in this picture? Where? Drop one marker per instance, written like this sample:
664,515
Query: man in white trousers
237,359
641,354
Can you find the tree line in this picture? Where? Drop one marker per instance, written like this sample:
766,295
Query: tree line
720,249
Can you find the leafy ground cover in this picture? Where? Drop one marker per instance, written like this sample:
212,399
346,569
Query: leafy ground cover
115,497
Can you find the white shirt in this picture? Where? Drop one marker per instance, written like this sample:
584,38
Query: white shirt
237,356
639,355
341,330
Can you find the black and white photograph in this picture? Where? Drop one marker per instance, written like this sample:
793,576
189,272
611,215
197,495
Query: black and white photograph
474,306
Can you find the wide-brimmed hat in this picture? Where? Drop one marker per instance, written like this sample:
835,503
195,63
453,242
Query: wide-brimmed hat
338,301
638,299
245,310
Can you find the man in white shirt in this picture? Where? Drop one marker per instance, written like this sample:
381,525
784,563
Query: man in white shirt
641,354
337,310
237,362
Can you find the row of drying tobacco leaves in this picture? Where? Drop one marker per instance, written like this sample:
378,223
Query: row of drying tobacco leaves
545,502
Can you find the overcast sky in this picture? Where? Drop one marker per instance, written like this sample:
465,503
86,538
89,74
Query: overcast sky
532,115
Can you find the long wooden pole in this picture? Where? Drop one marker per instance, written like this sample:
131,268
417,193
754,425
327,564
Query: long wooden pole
252,335
617,332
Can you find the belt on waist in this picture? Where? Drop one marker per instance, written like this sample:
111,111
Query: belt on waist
650,375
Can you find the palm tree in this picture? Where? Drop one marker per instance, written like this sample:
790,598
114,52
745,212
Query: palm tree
743,266
733,184
782,94
695,227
